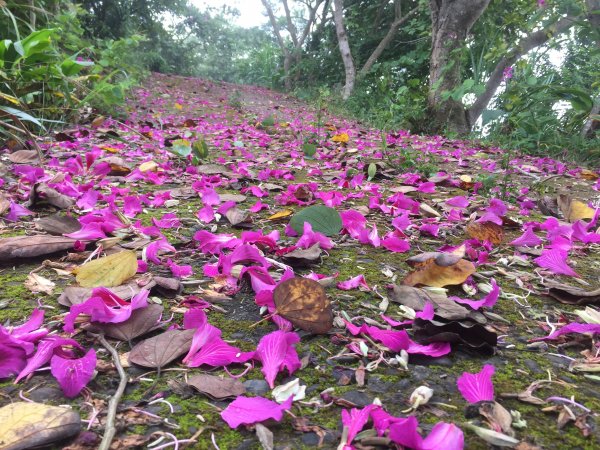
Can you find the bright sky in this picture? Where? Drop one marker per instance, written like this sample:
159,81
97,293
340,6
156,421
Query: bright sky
252,11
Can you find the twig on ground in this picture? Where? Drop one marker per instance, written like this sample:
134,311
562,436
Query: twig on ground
110,429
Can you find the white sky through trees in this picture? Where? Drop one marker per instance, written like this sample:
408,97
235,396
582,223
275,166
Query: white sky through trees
252,12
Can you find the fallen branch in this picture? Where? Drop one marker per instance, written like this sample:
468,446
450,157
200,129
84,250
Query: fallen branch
113,404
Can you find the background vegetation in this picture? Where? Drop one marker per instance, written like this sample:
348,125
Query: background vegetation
59,57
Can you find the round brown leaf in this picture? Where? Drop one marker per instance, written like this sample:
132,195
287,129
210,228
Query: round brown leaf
217,387
141,322
486,231
304,303
158,351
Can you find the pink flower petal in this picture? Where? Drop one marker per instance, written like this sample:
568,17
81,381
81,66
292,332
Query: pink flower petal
489,300
276,351
355,420
73,374
405,433
395,244
445,436
459,202
528,238
477,387
310,238
574,327
249,410
357,282
44,352
556,261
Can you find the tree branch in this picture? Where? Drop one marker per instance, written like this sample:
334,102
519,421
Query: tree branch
276,30
396,24
522,48
290,25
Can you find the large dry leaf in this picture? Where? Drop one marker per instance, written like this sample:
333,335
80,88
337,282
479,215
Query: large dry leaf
304,303
158,351
416,299
109,271
430,273
25,425
24,157
58,224
32,246
572,295
142,321
4,203
217,387
486,231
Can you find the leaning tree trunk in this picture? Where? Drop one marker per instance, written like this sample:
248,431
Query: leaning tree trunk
451,22
344,45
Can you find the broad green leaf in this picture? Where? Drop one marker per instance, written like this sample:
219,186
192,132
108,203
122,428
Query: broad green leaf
200,148
309,149
323,219
268,122
181,147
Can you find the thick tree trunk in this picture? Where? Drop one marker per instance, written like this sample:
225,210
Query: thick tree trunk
344,46
451,22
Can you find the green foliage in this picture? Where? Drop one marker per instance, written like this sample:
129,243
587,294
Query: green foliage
323,219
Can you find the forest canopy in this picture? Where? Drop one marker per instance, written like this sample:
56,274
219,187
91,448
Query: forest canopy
521,72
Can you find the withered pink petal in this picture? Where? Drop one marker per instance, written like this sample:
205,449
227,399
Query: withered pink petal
355,420
354,283
573,327
488,301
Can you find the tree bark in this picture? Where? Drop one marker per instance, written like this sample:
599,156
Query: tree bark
593,16
344,46
451,22
522,48
398,21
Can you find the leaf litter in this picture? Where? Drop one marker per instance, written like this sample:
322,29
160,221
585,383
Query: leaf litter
397,281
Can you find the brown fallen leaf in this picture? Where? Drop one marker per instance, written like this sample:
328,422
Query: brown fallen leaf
44,193
417,298
486,231
25,425
24,157
32,246
217,387
304,303
472,335
160,350
108,271
303,256
73,295
237,217
58,224
431,273
142,321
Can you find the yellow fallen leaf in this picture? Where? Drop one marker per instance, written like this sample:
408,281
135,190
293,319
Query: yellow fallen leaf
342,137
431,274
580,211
26,425
110,149
178,106
284,124
109,271
148,166
281,214
466,178
589,175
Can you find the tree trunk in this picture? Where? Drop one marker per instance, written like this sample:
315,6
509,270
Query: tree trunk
344,46
398,21
451,22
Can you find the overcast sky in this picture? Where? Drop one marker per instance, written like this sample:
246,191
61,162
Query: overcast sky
251,10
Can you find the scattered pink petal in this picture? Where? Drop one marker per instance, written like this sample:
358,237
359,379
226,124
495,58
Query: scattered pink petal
249,410
489,300
358,282
277,351
556,262
73,374
477,387
528,238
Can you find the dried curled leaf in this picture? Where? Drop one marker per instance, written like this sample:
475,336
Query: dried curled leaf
109,271
470,334
304,303
158,351
25,425
439,270
572,295
142,321
486,231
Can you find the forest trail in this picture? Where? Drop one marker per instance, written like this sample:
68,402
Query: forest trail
210,231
